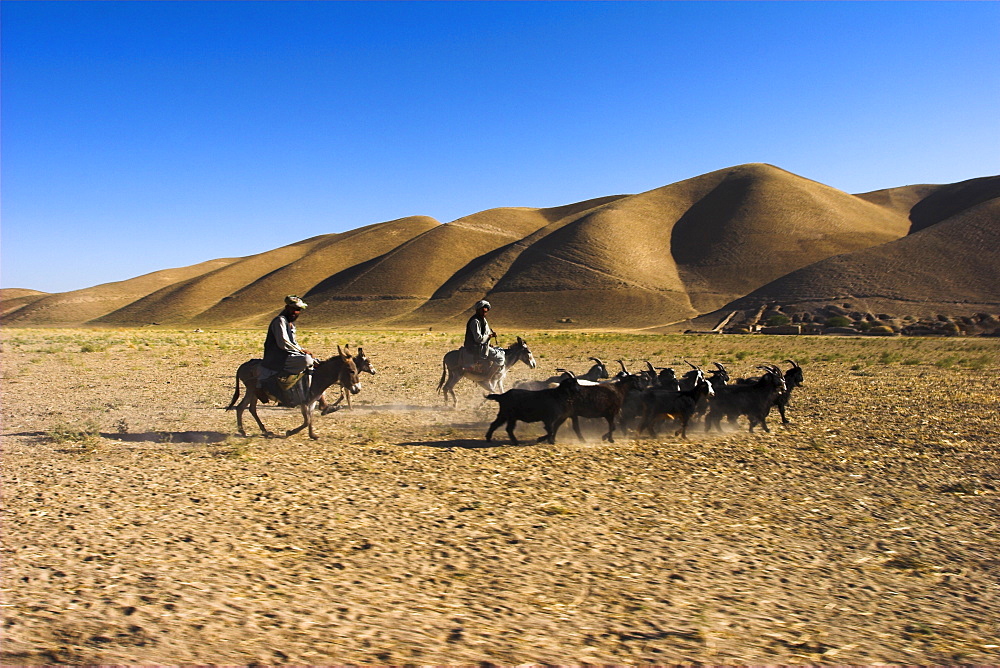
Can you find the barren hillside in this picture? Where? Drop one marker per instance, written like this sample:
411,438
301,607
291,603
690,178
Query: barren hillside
734,238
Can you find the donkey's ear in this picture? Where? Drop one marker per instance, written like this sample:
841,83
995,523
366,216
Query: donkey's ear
339,351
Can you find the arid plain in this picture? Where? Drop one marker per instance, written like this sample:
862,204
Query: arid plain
139,529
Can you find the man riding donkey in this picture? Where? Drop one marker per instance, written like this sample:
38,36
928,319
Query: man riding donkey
286,369
478,355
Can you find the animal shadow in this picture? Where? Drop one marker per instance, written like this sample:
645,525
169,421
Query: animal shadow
186,437
464,443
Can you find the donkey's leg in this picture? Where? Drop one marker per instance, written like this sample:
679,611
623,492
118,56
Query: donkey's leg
449,388
307,410
305,420
239,417
253,412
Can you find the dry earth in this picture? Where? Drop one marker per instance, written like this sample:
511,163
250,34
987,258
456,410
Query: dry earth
137,529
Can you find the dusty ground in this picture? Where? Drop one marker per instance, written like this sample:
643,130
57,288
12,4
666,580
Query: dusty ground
138,529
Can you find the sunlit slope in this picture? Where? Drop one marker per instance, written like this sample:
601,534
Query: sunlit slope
758,222
80,306
927,205
950,267
12,299
624,262
667,254
405,277
248,290
451,302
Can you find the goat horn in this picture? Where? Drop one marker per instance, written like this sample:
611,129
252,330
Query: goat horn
792,362
719,367
691,365
650,366
624,369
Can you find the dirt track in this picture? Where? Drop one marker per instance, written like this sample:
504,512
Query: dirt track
138,529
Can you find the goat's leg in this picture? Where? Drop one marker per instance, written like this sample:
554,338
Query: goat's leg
576,428
684,423
510,431
709,419
781,409
551,430
493,425
649,424
610,436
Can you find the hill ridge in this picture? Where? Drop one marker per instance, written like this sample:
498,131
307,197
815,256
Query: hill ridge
736,237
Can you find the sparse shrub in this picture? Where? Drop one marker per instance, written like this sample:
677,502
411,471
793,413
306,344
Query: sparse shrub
777,320
838,321
87,436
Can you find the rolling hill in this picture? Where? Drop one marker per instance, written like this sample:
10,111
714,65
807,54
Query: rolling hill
734,239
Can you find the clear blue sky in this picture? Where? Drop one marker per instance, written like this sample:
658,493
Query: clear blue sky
139,136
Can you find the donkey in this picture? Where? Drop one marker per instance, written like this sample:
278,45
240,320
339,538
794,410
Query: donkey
340,369
364,366
452,371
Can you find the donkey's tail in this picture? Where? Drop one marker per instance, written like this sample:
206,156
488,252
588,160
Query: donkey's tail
444,374
236,394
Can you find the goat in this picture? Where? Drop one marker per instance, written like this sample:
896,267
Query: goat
751,397
632,404
717,377
595,373
667,380
603,400
680,406
793,378
550,406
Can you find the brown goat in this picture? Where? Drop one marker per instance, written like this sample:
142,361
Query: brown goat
603,400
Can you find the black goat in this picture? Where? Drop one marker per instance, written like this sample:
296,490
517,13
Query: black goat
752,398
602,401
793,378
551,406
668,404
667,380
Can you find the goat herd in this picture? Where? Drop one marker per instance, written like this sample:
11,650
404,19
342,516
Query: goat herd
647,398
